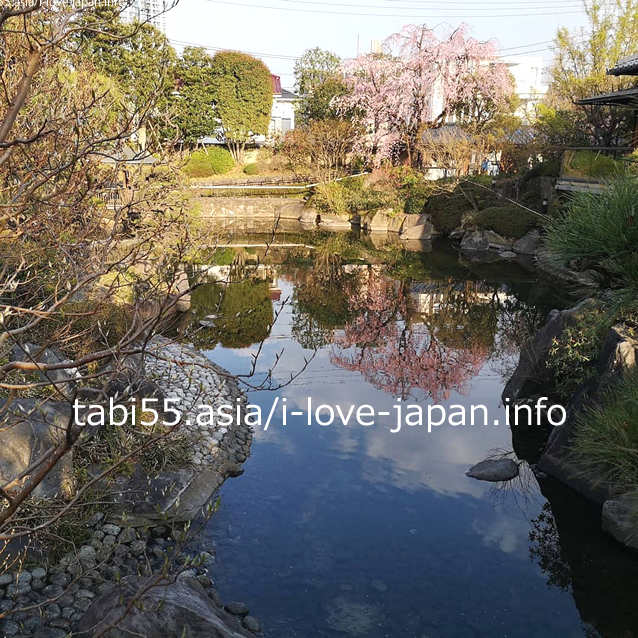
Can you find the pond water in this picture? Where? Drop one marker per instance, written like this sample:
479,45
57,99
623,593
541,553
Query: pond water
350,530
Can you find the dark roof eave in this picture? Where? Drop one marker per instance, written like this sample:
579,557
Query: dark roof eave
627,98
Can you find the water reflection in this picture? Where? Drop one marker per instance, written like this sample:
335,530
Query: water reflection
356,531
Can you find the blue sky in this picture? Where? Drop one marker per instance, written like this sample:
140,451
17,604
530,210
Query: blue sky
283,29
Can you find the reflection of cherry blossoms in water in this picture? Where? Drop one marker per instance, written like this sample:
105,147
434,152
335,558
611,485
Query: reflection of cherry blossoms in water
397,355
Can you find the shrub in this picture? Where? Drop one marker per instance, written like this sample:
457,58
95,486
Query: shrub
573,355
351,196
332,198
205,163
251,169
221,160
447,211
599,231
549,168
507,220
416,194
606,436
198,165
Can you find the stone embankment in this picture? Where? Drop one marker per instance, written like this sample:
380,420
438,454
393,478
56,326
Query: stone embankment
77,594
618,354
137,536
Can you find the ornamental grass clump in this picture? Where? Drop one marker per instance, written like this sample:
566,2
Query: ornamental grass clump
599,232
606,436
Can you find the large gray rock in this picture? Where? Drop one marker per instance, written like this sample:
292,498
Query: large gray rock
618,355
309,217
494,470
183,292
529,244
178,496
530,375
550,265
483,240
30,428
384,221
335,222
620,518
423,231
180,610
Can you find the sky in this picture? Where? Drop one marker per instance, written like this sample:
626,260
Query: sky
278,31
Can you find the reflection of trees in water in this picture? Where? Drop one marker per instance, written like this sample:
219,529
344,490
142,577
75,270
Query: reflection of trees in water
519,320
569,545
321,300
545,549
462,315
243,310
396,354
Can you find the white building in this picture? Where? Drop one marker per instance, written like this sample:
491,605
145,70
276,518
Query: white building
282,117
151,11
529,82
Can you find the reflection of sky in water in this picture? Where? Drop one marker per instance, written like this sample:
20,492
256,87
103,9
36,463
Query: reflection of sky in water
351,528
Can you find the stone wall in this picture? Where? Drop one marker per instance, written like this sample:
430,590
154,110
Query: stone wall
262,208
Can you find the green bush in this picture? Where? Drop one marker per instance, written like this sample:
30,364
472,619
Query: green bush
508,220
251,169
198,165
221,160
573,355
332,198
205,163
600,232
550,168
350,196
447,211
416,194
606,436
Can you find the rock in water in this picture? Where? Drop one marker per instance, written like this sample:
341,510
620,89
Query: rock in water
494,470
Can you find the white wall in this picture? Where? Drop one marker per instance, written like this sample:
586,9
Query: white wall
528,76
282,117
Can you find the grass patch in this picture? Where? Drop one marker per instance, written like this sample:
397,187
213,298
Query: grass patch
606,436
599,232
590,164
113,442
350,197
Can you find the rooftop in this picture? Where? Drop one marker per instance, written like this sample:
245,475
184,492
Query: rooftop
627,97
626,66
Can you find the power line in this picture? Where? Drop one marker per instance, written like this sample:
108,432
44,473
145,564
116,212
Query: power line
387,15
449,6
210,48
471,2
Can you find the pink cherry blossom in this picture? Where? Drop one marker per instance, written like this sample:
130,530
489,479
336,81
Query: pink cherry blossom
417,80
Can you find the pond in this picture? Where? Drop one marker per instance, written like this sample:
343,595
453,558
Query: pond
341,530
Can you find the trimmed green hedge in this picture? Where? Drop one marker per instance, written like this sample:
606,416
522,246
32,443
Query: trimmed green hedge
213,161
508,220
251,169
